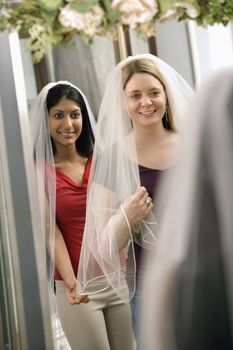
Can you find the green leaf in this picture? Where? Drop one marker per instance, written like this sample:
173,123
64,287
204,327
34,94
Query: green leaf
165,5
82,5
112,14
57,38
50,18
50,5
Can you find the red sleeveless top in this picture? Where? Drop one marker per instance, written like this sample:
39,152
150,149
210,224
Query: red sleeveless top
71,213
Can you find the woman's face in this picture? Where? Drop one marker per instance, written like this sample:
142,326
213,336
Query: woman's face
65,122
145,99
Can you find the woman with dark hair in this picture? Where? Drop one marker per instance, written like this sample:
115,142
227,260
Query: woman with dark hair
85,141
72,141
63,139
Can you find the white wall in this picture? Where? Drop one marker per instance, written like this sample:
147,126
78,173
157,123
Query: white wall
173,47
195,51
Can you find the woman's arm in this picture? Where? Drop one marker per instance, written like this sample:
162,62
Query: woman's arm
63,262
133,210
116,228
64,266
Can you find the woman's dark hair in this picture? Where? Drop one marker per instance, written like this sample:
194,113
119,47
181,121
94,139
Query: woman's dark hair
85,142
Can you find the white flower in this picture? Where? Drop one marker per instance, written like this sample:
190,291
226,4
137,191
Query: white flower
135,11
93,20
87,22
70,18
188,6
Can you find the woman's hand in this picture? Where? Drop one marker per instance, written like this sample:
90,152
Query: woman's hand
137,206
72,296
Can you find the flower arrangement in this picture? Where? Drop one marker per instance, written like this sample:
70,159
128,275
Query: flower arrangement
51,22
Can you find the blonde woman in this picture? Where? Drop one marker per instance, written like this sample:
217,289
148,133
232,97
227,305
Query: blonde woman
136,142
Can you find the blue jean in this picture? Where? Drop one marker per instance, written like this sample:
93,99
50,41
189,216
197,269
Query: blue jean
136,316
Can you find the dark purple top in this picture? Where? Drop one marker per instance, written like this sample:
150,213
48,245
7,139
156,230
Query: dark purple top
150,180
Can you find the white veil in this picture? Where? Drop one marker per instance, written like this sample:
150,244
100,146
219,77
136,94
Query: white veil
115,177
192,270
46,180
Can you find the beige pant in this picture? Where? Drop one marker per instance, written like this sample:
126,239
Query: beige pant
102,324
